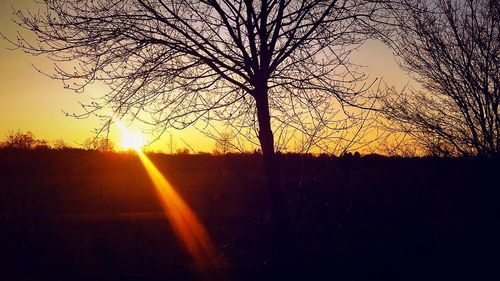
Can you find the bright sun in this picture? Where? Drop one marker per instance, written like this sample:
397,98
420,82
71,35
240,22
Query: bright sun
130,139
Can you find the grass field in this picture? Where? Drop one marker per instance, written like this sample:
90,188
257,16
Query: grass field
86,215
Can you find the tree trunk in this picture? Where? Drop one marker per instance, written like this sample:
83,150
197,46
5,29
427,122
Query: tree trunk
277,198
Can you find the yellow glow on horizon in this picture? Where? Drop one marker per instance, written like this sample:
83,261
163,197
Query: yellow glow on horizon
187,227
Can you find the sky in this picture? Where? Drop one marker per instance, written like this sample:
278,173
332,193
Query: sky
31,101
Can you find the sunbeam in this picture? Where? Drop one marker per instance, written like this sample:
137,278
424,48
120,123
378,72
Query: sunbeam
184,221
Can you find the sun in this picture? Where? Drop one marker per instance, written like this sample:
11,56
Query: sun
130,139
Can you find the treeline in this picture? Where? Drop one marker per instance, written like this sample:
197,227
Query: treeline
27,140
18,140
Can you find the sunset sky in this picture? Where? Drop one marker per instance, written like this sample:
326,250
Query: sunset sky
34,102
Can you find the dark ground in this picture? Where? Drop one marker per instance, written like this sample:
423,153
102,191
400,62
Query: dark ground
80,215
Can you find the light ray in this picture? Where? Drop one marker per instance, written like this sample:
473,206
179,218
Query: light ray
186,225
184,221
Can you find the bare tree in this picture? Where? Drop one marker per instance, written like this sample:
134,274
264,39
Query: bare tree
60,144
99,144
224,143
452,48
171,146
21,140
252,65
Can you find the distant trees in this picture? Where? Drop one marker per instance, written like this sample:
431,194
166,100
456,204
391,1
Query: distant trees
171,146
100,144
20,140
223,143
60,144
452,48
27,140
182,151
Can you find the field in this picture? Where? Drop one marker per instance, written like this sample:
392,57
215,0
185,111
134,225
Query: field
87,215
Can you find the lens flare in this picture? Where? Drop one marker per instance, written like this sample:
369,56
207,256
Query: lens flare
187,227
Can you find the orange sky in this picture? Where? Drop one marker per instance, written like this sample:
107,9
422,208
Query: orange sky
31,101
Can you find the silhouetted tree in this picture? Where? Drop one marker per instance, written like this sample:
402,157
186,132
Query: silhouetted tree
100,144
223,144
21,140
171,144
452,48
249,64
182,151
42,144
60,144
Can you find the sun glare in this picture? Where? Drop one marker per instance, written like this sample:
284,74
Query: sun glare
130,139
